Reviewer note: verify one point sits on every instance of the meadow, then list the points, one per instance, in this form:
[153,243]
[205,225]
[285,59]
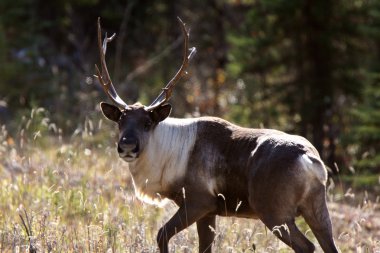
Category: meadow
[73,194]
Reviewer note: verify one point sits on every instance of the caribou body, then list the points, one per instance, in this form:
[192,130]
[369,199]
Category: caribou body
[211,167]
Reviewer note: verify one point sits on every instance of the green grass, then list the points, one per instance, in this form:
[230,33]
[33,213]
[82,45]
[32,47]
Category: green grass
[77,196]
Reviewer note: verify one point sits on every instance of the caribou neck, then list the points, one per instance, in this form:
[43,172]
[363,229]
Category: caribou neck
[164,160]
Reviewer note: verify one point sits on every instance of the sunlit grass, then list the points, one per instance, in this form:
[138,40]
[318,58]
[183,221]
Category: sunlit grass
[77,196]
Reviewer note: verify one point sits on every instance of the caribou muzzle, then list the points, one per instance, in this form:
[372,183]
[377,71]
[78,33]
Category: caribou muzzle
[128,148]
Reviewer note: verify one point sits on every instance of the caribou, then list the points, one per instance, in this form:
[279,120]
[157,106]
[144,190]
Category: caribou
[210,167]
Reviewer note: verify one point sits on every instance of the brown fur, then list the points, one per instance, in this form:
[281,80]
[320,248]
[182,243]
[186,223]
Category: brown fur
[253,173]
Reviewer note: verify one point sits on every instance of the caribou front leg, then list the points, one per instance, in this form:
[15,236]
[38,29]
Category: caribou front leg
[189,212]
[205,233]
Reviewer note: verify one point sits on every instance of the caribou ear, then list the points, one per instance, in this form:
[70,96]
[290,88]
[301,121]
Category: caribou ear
[160,113]
[111,112]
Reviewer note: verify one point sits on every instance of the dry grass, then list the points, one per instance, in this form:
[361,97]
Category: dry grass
[78,197]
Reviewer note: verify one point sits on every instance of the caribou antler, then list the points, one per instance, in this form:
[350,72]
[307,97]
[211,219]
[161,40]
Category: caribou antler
[167,91]
[103,76]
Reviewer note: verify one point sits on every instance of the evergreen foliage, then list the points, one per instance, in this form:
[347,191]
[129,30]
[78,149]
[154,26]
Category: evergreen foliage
[307,67]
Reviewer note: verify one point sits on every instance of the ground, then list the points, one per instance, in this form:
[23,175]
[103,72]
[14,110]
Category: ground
[77,196]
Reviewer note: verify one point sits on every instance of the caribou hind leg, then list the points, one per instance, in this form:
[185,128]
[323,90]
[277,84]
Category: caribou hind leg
[287,231]
[317,217]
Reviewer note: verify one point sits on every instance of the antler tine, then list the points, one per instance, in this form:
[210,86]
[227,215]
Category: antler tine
[166,92]
[103,75]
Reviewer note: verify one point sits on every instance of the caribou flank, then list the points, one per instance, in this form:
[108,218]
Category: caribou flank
[211,167]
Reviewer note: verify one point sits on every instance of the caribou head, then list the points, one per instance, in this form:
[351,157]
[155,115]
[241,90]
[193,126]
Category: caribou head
[137,120]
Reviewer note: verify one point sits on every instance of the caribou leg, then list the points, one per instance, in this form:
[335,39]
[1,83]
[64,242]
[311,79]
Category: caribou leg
[317,217]
[290,235]
[189,212]
[205,234]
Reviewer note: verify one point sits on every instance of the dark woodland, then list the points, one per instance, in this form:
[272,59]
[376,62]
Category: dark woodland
[306,67]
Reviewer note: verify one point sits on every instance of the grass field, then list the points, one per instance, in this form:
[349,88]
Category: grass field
[77,196]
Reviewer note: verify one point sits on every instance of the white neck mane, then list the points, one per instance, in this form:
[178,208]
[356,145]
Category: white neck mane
[164,158]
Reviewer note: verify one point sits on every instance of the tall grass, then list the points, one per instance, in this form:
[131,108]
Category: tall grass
[75,195]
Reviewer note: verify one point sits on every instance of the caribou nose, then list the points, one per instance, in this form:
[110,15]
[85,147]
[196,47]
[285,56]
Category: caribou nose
[127,145]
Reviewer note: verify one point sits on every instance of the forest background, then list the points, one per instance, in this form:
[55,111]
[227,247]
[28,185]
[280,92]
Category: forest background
[305,67]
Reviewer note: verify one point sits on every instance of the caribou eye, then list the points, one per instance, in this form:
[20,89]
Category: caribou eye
[147,125]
